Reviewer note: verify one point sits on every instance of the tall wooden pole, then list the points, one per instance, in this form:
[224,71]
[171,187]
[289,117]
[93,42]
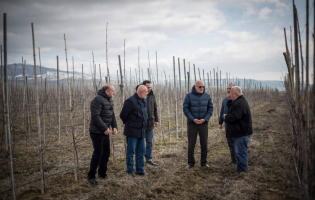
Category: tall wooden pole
[175,91]
[6,100]
[38,118]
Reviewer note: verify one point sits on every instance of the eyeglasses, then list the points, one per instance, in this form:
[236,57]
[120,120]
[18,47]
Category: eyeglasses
[201,86]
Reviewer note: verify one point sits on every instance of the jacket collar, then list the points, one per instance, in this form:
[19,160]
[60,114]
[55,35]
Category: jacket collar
[102,93]
[194,91]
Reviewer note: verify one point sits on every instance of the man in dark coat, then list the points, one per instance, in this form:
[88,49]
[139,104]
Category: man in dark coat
[102,118]
[239,126]
[153,120]
[134,115]
[230,140]
[198,108]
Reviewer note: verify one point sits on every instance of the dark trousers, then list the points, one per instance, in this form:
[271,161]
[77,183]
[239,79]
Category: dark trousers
[230,142]
[192,132]
[100,155]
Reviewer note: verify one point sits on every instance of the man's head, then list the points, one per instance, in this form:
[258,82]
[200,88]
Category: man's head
[229,87]
[109,90]
[148,84]
[142,91]
[236,91]
[199,86]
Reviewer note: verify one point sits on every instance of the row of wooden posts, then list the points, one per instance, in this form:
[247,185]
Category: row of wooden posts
[300,96]
[55,112]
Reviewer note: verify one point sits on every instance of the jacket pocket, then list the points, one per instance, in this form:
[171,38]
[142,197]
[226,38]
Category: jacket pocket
[135,125]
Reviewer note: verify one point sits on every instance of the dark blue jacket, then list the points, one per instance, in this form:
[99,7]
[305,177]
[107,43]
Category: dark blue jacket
[197,106]
[134,115]
[224,109]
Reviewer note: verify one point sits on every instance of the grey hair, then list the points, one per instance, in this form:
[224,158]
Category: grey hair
[237,90]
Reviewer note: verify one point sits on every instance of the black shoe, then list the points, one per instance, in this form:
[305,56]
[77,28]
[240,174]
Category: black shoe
[92,181]
[205,165]
[151,162]
[103,177]
[131,174]
[141,173]
[189,166]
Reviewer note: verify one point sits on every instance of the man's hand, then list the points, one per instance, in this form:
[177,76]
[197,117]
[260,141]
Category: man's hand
[197,121]
[156,123]
[224,116]
[220,126]
[114,131]
[107,132]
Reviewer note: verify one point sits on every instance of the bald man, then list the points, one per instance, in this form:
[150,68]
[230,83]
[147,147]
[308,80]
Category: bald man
[102,118]
[198,108]
[239,126]
[134,115]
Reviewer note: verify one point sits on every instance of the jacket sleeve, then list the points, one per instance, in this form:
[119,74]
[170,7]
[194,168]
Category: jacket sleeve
[186,110]
[221,114]
[114,123]
[235,115]
[210,110]
[156,117]
[96,107]
[127,108]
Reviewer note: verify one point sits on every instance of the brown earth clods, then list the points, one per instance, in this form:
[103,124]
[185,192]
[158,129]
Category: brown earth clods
[271,172]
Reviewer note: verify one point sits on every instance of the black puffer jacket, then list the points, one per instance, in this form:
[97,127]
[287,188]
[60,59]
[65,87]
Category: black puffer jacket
[102,113]
[238,118]
[152,111]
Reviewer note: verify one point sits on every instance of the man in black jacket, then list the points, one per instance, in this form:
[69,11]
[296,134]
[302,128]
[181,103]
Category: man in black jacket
[153,120]
[134,115]
[239,126]
[102,118]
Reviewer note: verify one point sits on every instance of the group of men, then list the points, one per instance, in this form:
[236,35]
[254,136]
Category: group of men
[139,116]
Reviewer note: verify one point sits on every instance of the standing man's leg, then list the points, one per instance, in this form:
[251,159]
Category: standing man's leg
[140,151]
[241,147]
[102,169]
[192,137]
[203,137]
[230,142]
[97,141]
[131,146]
[149,144]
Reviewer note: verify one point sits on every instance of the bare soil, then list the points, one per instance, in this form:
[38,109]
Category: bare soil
[271,171]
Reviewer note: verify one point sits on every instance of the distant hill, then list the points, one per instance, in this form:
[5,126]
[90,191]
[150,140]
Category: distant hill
[16,70]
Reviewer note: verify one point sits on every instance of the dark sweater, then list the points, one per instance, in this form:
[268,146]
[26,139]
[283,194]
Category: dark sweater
[238,118]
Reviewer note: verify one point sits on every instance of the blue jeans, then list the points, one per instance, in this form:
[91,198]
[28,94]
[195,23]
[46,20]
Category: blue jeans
[135,146]
[149,144]
[240,144]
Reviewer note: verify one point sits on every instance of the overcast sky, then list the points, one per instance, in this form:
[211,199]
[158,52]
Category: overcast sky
[242,37]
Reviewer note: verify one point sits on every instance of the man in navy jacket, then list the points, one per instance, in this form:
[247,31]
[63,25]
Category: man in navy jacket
[198,108]
[134,115]
[230,140]
[239,126]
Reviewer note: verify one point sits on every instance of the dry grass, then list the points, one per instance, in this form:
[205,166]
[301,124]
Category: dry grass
[271,169]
